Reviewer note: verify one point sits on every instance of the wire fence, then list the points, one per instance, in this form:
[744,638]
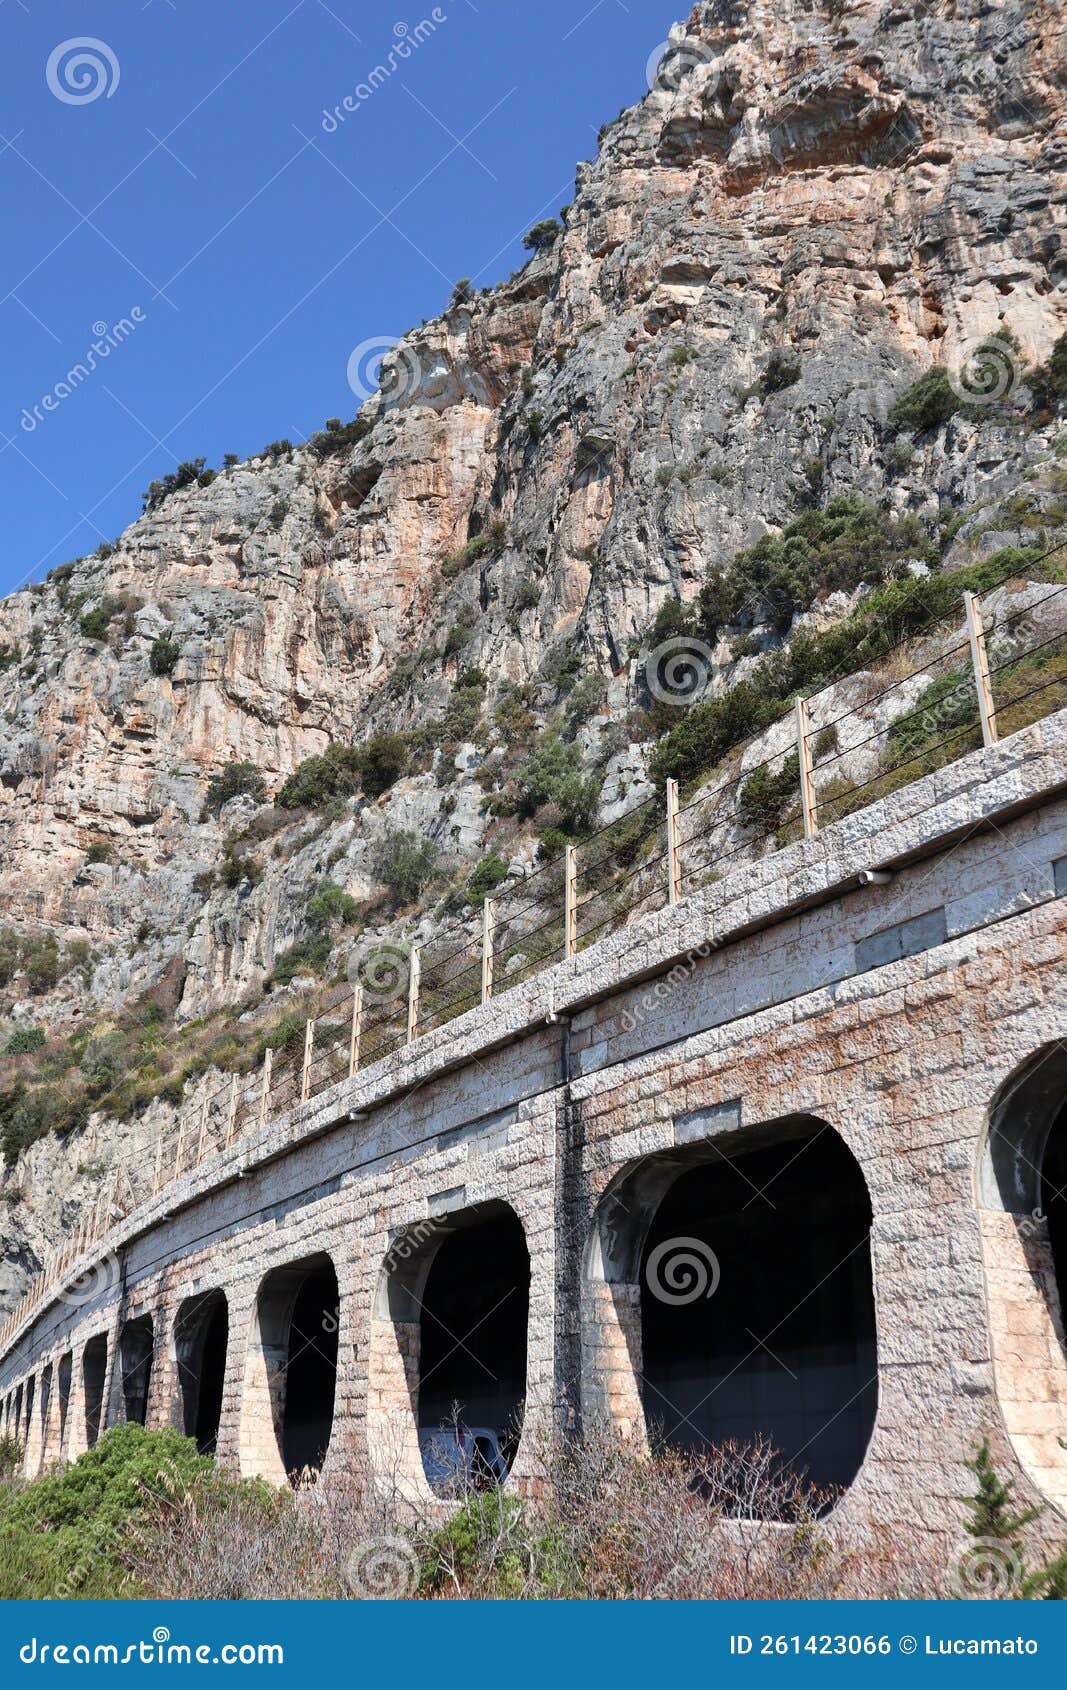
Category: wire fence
[932,702]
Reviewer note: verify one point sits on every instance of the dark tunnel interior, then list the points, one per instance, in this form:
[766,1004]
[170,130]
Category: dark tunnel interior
[473,1329]
[311,1372]
[784,1347]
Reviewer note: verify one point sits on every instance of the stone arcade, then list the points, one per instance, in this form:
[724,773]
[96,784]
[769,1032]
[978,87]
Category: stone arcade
[848,1114]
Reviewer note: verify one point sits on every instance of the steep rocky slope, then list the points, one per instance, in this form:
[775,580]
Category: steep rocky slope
[815,205]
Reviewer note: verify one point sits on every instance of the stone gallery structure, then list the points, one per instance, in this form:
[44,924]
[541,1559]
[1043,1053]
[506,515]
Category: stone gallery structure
[787,1158]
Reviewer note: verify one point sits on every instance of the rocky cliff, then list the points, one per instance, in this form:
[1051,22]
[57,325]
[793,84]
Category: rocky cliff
[732,330]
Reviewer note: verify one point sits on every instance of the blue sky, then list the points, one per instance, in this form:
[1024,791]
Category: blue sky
[195,217]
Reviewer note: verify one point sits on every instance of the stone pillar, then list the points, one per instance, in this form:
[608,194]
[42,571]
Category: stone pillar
[612,1358]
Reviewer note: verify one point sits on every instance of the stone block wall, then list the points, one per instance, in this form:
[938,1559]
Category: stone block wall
[892,1015]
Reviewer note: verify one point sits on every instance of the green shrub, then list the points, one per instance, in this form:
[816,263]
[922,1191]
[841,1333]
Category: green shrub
[95,625]
[490,544]
[491,872]
[764,796]
[486,1522]
[40,961]
[542,235]
[234,781]
[947,704]
[337,437]
[25,1040]
[310,956]
[586,699]
[1048,383]
[9,955]
[184,476]
[459,635]
[994,1519]
[376,766]
[330,907]
[888,617]
[65,1534]
[239,868]
[318,780]
[462,714]
[552,774]
[926,404]
[404,863]
[99,851]
[381,760]
[820,551]
[164,655]
[10,1450]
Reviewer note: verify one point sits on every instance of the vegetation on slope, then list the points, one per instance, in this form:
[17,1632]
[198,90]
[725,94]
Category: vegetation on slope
[143,1514]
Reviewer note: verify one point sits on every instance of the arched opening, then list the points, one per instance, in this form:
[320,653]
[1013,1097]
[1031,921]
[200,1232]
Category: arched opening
[64,1375]
[472,1355]
[18,1413]
[730,1283]
[94,1373]
[1054,1205]
[46,1407]
[135,1356]
[201,1334]
[1023,1214]
[298,1317]
[28,1416]
[449,1346]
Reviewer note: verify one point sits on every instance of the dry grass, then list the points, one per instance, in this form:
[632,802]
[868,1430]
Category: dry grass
[610,1524]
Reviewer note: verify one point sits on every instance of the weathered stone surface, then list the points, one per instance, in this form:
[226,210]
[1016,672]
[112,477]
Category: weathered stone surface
[906,1062]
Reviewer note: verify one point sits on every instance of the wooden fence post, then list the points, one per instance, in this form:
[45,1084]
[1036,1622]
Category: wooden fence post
[231,1113]
[570,902]
[488,934]
[357,1029]
[414,976]
[807,783]
[305,1077]
[674,865]
[264,1096]
[202,1137]
[980,660]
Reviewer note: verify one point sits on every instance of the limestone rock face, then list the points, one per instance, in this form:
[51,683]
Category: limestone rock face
[816,201]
